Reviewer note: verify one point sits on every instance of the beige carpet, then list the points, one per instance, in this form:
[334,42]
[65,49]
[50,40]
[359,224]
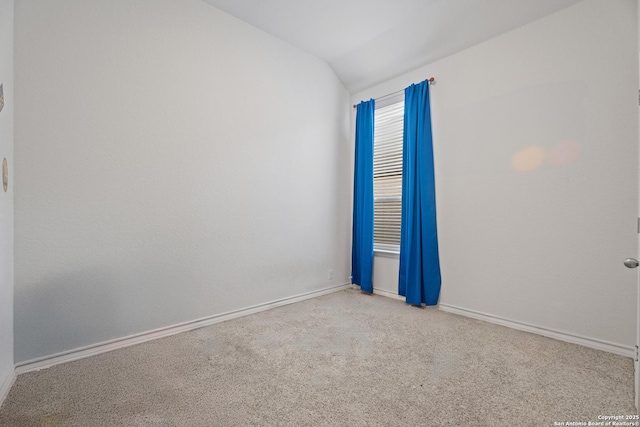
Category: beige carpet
[344,359]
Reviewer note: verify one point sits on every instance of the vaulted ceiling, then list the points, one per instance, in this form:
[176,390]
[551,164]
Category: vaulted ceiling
[370,41]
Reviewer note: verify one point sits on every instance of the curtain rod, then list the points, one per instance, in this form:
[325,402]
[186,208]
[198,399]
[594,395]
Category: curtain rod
[431,81]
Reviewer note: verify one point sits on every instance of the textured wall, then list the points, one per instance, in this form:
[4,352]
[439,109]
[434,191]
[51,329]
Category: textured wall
[536,156]
[6,198]
[172,163]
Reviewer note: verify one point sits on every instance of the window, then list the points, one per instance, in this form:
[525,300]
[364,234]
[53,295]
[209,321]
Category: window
[387,173]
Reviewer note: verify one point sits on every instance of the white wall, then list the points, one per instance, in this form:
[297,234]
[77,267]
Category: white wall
[6,198]
[172,163]
[545,246]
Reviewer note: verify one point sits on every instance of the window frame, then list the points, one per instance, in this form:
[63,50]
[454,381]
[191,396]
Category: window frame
[387,249]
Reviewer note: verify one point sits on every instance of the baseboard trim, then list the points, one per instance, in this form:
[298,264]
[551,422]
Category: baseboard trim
[389,294]
[128,341]
[5,386]
[550,333]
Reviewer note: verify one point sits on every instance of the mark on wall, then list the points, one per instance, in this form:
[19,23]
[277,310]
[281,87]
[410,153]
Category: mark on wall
[5,174]
[1,98]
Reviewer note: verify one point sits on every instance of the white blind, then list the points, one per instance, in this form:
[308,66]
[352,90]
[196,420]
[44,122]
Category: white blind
[387,175]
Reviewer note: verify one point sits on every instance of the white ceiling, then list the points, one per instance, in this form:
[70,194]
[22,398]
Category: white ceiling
[369,41]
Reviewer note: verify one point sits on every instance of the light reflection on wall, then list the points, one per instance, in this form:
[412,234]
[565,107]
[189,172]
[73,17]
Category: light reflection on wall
[529,158]
[522,131]
[533,157]
[565,153]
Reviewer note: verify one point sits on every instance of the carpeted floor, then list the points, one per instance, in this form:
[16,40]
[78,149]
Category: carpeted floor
[344,359]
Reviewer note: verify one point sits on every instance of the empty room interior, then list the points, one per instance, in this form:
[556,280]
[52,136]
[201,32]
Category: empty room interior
[194,229]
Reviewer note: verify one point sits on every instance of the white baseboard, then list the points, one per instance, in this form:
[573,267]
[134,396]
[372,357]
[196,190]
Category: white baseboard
[94,349]
[5,386]
[562,336]
[389,294]
[521,326]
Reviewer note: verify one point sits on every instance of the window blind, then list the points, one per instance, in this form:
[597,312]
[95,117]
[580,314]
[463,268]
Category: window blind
[387,175]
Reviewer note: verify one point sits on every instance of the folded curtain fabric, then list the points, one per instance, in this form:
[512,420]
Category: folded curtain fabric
[419,278]
[362,238]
